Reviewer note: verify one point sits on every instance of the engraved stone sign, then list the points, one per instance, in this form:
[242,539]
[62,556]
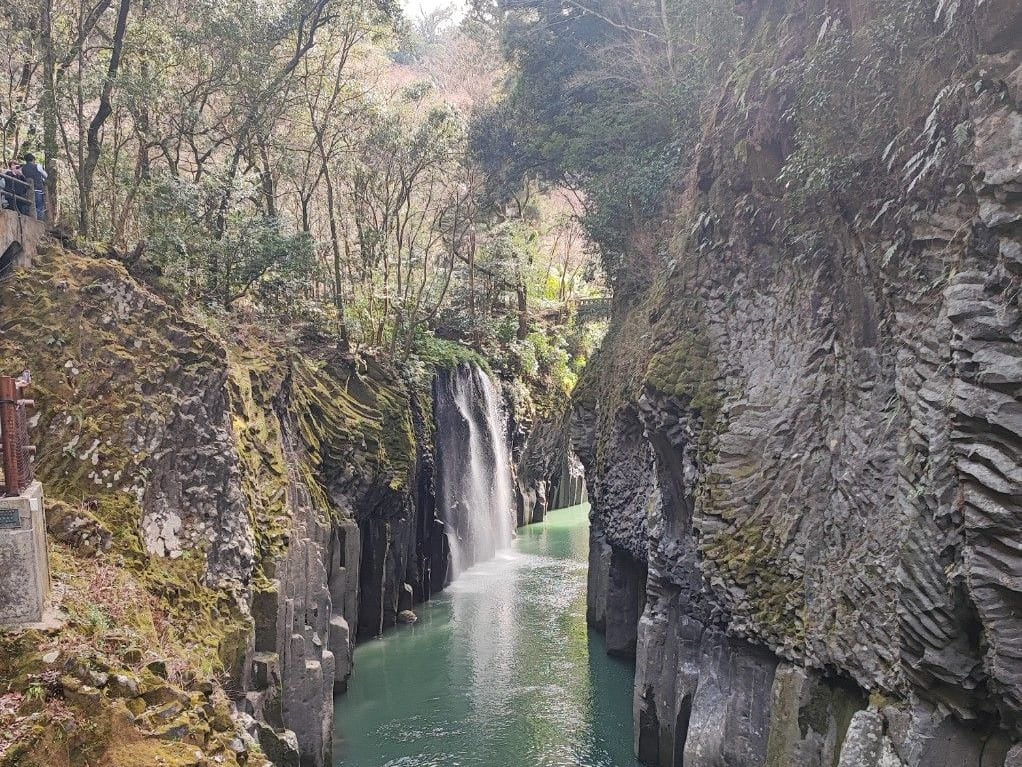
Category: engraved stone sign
[10,519]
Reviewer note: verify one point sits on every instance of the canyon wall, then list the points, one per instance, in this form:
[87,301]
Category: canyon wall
[807,493]
[276,501]
[548,475]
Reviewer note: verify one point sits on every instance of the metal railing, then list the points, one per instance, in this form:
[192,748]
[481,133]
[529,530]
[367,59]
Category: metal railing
[591,308]
[15,451]
[28,204]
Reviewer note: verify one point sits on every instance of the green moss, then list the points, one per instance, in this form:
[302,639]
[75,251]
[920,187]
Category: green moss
[658,342]
[748,556]
[101,351]
[686,370]
[440,354]
[108,359]
[347,415]
[57,723]
[255,375]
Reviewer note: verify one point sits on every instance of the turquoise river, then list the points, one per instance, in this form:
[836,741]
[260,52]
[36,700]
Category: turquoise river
[500,670]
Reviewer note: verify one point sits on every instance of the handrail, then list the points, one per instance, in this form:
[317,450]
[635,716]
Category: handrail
[12,202]
[588,300]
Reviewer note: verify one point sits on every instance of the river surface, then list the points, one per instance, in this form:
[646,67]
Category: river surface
[500,670]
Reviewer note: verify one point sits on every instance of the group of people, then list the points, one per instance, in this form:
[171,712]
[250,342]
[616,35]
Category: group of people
[16,183]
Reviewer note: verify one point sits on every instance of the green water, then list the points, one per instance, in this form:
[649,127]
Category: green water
[500,671]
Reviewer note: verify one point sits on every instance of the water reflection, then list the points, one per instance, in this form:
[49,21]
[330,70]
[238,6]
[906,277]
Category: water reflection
[500,671]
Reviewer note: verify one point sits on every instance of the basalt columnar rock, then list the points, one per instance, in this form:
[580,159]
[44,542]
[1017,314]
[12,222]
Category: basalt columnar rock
[814,474]
[548,474]
[273,500]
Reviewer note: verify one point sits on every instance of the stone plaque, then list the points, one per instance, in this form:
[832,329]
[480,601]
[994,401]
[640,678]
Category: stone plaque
[10,519]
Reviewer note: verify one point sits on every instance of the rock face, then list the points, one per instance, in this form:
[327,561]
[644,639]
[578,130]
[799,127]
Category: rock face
[281,499]
[818,481]
[548,474]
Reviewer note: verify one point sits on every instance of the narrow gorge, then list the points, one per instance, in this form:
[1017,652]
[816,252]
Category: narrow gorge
[546,383]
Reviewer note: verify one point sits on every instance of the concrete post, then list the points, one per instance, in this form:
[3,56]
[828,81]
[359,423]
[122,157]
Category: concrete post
[24,560]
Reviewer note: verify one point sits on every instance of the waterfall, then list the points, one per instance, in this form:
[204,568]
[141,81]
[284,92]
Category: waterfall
[473,468]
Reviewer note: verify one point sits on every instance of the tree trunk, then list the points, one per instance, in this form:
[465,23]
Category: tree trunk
[266,181]
[102,113]
[472,284]
[523,310]
[342,328]
[49,107]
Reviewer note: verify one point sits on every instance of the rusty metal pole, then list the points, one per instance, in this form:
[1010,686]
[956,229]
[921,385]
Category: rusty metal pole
[25,450]
[8,433]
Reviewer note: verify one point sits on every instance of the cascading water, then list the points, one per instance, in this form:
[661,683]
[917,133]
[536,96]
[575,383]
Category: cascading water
[473,468]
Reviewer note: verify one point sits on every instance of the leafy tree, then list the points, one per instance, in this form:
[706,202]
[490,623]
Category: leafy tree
[254,251]
[300,157]
[605,99]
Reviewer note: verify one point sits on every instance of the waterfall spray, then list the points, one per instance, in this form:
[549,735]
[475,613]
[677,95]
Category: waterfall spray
[474,496]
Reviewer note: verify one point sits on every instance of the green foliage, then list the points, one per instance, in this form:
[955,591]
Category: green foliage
[253,256]
[607,99]
[36,692]
[505,259]
[550,360]
[501,141]
[583,341]
[431,353]
[90,620]
[273,160]
[846,110]
[553,360]
[410,214]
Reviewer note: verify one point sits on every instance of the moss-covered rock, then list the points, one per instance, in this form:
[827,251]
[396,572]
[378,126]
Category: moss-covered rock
[169,448]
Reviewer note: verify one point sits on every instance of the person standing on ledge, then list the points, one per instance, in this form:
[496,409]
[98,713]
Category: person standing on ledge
[34,172]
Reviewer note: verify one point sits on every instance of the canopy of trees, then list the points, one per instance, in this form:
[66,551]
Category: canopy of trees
[605,98]
[305,159]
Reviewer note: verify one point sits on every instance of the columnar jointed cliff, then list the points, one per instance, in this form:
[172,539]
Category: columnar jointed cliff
[548,474]
[810,488]
[262,502]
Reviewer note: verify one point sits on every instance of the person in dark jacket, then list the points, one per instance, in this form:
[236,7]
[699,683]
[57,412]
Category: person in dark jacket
[34,172]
